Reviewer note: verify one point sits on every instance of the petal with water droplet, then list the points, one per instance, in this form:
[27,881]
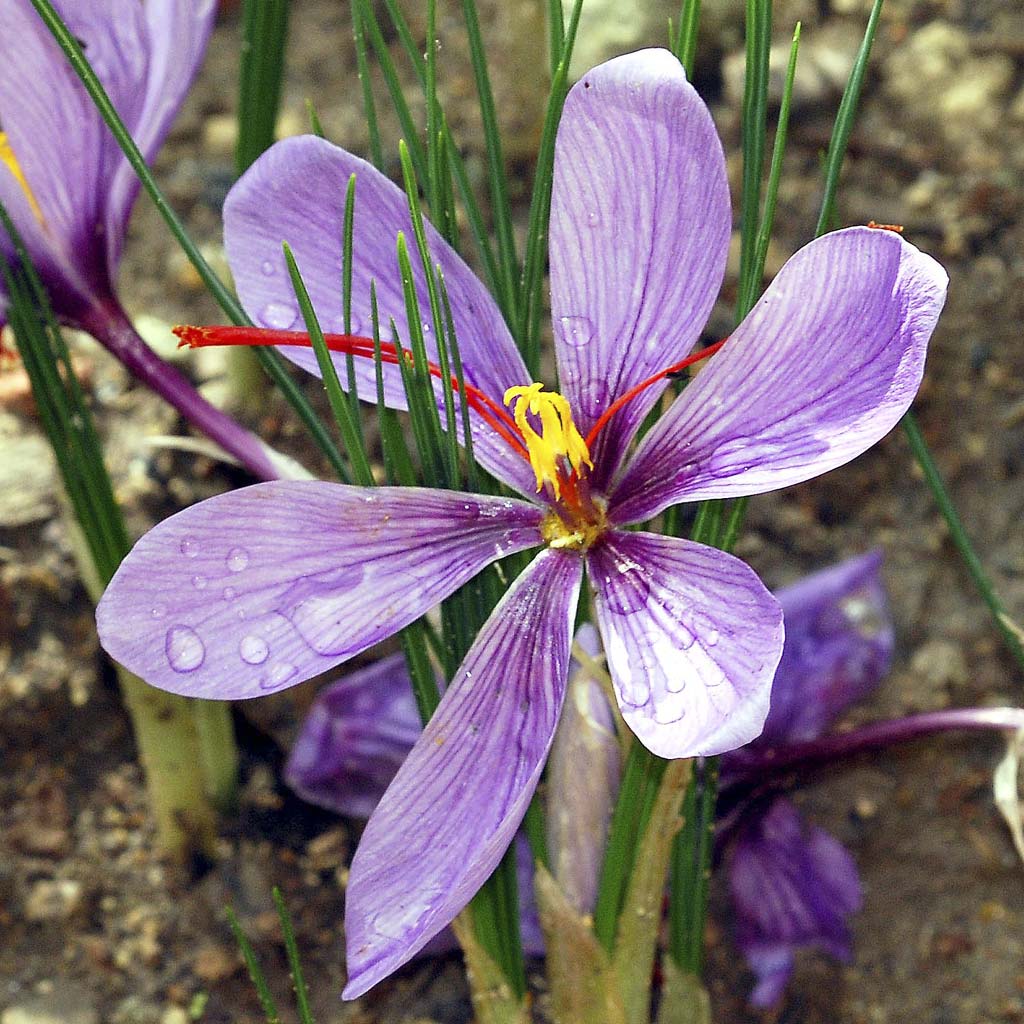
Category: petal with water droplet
[326,575]
[640,225]
[458,799]
[693,654]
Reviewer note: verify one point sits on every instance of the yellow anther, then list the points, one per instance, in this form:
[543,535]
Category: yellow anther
[558,438]
[7,157]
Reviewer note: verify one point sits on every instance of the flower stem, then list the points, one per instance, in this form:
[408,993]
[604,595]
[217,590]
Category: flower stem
[958,533]
[770,763]
[111,327]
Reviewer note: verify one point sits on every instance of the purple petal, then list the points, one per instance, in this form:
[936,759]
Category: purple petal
[64,149]
[255,590]
[793,886]
[354,739]
[692,639]
[457,801]
[839,645]
[174,38]
[640,224]
[582,781]
[825,364]
[295,193]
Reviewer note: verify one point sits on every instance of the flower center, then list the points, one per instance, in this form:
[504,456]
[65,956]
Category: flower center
[558,449]
[575,524]
[7,157]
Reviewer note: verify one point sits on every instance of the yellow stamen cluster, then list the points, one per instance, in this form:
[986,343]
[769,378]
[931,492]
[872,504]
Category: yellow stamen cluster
[7,157]
[558,438]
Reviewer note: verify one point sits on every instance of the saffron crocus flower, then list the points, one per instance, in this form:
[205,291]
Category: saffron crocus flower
[69,189]
[297,577]
[793,885]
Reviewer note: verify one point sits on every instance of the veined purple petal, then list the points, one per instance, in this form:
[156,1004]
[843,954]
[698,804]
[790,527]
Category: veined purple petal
[145,56]
[356,736]
[823,367]
[692,639]
[174,36]
[457,801]
[839,646]
[793,886]
[640,224]
[354,739]
[255,590]
[295,193]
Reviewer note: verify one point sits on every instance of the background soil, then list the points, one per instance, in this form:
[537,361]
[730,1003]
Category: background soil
[97,928]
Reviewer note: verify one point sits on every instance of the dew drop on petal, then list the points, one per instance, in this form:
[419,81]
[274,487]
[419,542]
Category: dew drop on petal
[278,315]
[189,547]
[277,675]
[158,611]
[253,650]
[238,559]
[185,651]
[711,638]
[577,331]
[593,218]
[199,582]
[228,593]
[268,268]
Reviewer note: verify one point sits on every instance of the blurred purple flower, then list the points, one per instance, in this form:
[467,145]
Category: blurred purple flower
[794,886]
[824,365]
[354,739]
[63,178]
[69,189]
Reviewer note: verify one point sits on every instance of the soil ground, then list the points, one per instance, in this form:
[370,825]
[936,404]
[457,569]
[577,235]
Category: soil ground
[97,927]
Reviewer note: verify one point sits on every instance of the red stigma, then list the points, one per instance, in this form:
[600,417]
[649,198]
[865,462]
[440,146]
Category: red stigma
[354,345]
[638,389]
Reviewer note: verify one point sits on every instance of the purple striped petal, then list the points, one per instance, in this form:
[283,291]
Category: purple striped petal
[175,37]
[457,801]
[255,590]
[145,56]
[295,193]
[354,739]
[692,639]
[640,223]
[793,886]
[61,144]
[823,367]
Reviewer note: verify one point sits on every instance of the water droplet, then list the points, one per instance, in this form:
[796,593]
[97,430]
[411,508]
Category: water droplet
[253,650]
[711,638]
[320,608]
[278,316]
[577,331]
[238,559]
[189,547]
[277,675]
[268,268]
[158,611]
[593,218]
[228,593]
[199,582]
[185,651]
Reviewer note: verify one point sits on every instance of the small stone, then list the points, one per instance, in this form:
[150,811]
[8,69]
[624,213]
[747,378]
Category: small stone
[220,134]
[215,963]
[64,1003]
[27,480]
[941,663]
[53,900]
